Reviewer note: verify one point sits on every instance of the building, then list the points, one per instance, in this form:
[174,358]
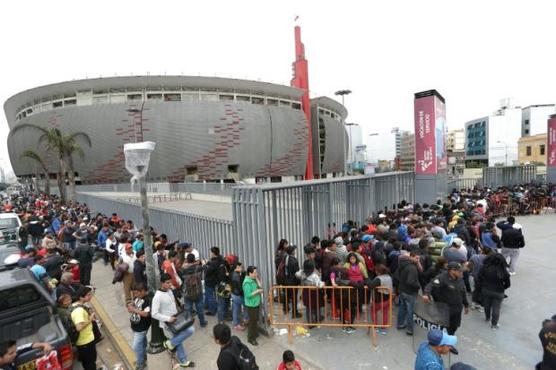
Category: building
[407,151]
[534,118]
[532,149]
[455,147]
[492,140]
[205,128]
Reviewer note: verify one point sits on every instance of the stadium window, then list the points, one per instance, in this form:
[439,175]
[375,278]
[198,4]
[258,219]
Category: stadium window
[243,98]
[154,96]
[57,104]
[526,122]
[257,100]
[296,106]
[527,131]
[132,97]
[99,92]
[100,99]
[189,171]
[70,102]
[172,97]
[225,97]
[23,114]
[233,168]
[528,151]
[209,97]
[272,102]
[285,103]
[190,96]
[542,149]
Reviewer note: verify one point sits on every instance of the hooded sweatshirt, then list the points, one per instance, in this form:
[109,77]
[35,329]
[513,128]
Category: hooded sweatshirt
[408,276]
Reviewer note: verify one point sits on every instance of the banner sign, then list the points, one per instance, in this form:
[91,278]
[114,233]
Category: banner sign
[430,133]
[551,142]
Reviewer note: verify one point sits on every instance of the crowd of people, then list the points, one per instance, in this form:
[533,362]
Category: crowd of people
[455,254]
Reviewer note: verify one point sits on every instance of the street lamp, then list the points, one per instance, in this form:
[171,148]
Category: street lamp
[506,148]
[137,157]
[343,93]
[350,148]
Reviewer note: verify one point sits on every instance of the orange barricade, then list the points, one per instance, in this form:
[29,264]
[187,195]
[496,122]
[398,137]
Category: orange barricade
[331,306]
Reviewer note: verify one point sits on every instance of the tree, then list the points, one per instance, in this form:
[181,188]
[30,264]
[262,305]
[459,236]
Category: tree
[63,146]
[31,154]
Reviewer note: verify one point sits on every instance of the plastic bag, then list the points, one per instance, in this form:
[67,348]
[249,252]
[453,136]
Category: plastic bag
[49,362]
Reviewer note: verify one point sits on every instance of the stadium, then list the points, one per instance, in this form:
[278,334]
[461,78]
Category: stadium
[205,128]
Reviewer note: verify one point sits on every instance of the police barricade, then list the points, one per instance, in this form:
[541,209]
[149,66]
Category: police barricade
[427,316]
[331,306]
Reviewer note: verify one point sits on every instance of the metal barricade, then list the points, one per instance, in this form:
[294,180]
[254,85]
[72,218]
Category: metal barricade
[331,306]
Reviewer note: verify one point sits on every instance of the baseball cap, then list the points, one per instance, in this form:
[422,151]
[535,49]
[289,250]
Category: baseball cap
[437,337]
[455,266]
[457,241]
[462,366]
[367,237]
[184,245]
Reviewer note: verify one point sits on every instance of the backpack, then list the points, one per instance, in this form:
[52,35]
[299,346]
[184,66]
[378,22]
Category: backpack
[281,272]
[245,359]
[192,284]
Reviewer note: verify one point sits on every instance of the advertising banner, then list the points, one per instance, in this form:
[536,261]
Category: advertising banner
[425,143]
[551,143]
[440,130]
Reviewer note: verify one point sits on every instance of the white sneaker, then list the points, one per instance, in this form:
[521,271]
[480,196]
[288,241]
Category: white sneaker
[495,327]
[512,273]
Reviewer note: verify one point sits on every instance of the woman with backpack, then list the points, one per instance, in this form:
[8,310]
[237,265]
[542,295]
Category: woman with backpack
[494,279]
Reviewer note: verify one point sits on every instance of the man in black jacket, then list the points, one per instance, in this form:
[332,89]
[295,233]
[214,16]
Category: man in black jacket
[140,268]
[448,288]
[84,254]
[291,267]
[215,272]
[512,241]
[407,275]
[230,350]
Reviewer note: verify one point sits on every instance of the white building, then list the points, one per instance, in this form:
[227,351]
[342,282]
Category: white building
[534,119]
[492,140]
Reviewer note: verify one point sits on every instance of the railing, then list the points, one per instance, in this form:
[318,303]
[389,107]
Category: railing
[509,176]
[464,183]
[203,232]
[224,189]
[331,306]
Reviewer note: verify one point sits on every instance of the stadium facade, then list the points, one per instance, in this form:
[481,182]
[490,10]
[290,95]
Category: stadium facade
[205,128]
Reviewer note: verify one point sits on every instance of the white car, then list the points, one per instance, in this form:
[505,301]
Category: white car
[9,227]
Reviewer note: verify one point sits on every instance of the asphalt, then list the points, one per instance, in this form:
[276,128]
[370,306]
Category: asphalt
[531,299]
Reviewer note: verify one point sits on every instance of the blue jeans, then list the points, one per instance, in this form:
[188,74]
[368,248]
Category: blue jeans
[405,312]
[177,341]
[222,307]
[140,346]
[198,307]
[237,306]
[210,299]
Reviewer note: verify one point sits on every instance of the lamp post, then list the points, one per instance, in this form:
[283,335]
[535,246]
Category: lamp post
[506,149]
[343,93]
[137,157]
[350,148]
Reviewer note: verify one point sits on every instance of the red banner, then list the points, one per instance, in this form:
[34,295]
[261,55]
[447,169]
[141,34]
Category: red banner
[425,145]
[551,143]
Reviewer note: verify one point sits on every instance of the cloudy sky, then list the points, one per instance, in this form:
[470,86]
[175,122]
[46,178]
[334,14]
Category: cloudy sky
[473,52]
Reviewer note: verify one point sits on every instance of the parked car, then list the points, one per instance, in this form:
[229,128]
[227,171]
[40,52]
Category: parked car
[27,314]
[9,255]
[9,227]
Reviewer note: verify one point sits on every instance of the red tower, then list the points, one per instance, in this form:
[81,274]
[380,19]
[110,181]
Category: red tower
[301,80]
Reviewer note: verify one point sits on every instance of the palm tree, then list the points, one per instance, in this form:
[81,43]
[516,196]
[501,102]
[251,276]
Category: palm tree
[63,146]
[31,154]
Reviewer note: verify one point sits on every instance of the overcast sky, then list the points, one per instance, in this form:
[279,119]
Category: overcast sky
[473,52]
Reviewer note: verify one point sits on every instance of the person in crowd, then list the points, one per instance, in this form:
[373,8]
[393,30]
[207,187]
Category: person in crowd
[189,249]
[429,355]
[313,300]
[289,362]
[68,286]
[84,254]
[252,291]
[68,237]
[475,265]
[83,321]
[215,273]
[9,352]
[512,241]
[547,336]
[110,249]
[63,304]
[407,276]
[383,289]
[448,288]
[139,310]
[140,268]
[291,266]
[164,310]
[48,241]
[280,252]
[138,244]
[40,274]
[456,252]
[494,279]
[238,302]
[193,288]
[169,267]
[233,353]
[28,258]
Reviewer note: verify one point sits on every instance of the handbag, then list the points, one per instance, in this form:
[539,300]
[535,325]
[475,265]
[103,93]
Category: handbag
[183,321]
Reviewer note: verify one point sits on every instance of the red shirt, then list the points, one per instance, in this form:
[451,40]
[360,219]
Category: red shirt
[296,365]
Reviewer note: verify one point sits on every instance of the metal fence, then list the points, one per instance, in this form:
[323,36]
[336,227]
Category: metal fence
[297,211]
[464,183]
[509,176]
[224,189]
[203,232]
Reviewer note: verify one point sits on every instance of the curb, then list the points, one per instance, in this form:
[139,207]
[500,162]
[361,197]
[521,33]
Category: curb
[116,338]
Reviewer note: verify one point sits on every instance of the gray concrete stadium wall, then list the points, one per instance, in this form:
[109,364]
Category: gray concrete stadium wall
[261,140]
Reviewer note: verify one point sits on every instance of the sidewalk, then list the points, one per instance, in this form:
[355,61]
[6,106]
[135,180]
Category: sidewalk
[200,348]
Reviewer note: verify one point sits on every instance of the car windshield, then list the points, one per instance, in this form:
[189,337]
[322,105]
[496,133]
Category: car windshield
[8,223]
